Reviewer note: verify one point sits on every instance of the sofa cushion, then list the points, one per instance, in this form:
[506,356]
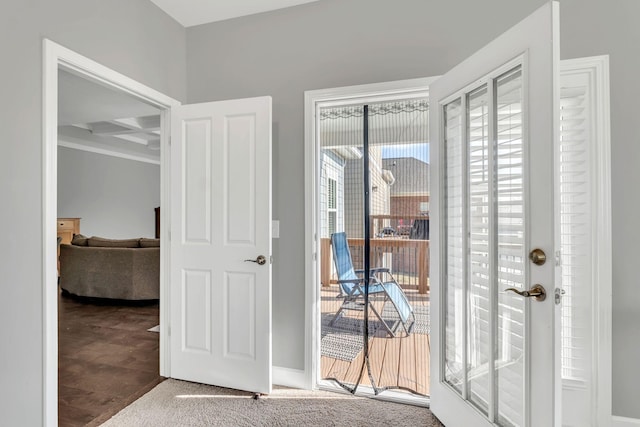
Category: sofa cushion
[80,240]
[100,242]
[149,243]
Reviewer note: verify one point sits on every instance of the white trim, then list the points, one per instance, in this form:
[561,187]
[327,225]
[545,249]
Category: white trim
[312,100]
[617,421]
[597,67]
[288,377]
[56,56]
[49,230]
[111,153]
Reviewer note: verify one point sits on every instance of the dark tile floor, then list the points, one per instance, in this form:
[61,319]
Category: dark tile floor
[106,356]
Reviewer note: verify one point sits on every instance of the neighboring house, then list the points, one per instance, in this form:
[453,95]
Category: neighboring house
[410,192]
[322,44]
[341,201]
[354,204]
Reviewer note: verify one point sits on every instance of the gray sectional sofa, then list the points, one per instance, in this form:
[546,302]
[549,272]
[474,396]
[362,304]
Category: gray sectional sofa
[107,268]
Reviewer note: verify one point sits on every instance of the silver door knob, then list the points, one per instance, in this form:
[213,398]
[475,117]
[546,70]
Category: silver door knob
[261,260]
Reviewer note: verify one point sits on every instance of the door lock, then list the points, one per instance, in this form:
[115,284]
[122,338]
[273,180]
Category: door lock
[538,257]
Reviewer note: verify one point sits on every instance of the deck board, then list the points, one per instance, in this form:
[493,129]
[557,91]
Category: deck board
[422,361]
[402,361]
[407,364]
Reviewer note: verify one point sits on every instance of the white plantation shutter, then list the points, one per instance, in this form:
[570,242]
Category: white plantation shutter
[511,256]
[456,246]
[485,235]
[575,230]
[479,246]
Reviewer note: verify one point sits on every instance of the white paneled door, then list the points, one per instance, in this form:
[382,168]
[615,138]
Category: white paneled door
[220,329]
[496,353]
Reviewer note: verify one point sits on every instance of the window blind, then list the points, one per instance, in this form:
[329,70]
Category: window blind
[575,232]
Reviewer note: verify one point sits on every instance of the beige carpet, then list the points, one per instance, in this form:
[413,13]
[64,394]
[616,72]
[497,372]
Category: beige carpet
[180,403]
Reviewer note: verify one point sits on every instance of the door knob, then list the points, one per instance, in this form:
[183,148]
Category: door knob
[261,260]
[537,291]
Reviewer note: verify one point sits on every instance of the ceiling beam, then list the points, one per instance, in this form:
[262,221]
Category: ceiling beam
[126,126]
[147,123]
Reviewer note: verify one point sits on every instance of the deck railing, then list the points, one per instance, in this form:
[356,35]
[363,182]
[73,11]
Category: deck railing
[408,260]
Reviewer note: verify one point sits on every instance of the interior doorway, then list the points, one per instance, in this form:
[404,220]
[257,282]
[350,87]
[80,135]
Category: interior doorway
[57,60]
[109,262]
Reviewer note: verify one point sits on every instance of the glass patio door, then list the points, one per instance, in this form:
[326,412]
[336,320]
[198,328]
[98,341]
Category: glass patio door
[495,343]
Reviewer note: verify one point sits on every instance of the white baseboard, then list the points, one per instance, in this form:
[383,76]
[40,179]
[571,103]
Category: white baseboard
[295,378]
[624,422]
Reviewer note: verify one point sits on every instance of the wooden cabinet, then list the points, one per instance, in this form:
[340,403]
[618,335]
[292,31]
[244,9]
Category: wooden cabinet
[67,228]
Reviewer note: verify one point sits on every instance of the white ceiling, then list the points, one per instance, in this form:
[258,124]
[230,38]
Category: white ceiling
[83,101]
[196,12]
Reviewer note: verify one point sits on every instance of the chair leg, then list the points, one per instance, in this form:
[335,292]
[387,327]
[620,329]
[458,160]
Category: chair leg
[382,321]
[410,328]
[338,313]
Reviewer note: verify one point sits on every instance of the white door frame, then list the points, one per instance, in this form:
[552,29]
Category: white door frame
[598,69]
[314,99]
[56,56]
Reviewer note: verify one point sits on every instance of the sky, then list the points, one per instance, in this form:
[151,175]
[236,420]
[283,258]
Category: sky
[419,151]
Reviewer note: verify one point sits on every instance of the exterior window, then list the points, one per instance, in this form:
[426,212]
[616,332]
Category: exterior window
[332,211]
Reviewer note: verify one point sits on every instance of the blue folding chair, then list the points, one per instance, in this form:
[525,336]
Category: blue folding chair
[381,282]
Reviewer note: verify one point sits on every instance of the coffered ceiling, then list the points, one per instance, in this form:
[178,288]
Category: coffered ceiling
[96,118]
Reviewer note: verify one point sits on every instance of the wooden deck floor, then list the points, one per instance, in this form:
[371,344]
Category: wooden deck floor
[400,362]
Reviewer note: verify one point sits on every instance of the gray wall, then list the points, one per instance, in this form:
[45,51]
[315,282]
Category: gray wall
[321,45]
[114,197]
[131,36]
[345,42]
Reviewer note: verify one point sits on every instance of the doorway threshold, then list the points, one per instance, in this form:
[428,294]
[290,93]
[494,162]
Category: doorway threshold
[394,396]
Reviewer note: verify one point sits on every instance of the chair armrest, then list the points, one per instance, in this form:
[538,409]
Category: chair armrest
[374,271]
[351,281]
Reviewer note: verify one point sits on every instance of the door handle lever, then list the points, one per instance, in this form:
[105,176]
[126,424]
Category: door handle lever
[261,260]
[537,291]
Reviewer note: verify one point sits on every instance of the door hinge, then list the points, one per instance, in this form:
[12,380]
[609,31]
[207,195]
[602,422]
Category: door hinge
[169,330]
[169,141]
[169,235]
